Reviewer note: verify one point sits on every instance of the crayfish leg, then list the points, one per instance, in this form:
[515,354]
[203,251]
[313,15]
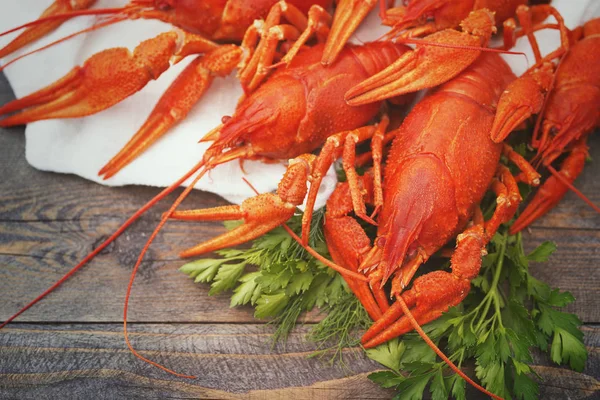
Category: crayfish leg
[508,199]
[318,23]
[349,245]
[330,151]
[554,189]
[299,29]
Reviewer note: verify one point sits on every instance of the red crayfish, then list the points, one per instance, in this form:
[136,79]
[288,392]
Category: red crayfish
[566,97]
[430,192]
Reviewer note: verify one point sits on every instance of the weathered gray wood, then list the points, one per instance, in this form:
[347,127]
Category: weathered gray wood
[573,267]
[162,292]
[232,358]
[230,361]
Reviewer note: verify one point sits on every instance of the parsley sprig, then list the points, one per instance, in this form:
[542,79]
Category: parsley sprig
[507,313]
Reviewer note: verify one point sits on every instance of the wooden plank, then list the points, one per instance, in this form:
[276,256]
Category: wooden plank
[573,266]
[231,361]
[162,293]
[232,358]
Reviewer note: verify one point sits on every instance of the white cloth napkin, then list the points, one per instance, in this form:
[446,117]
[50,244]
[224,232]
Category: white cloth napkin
[82,146]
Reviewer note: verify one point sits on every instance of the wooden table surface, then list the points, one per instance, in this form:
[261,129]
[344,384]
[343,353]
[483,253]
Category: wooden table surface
[71,344]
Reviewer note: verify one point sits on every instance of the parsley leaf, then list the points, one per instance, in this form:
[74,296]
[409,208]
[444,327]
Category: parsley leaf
[542,252]
[271,304]
[388,354]
[497,325]
[248,292]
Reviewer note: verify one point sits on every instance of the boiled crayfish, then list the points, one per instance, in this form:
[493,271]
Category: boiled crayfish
[442,162]
[566,95]
[264,126]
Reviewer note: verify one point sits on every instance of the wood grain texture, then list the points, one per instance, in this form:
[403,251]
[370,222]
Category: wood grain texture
[230,360]
[48,222]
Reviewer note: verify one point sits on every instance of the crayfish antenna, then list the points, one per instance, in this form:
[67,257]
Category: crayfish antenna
[92,28]
[54,16]
[566,182]
[330,264]
[162,222]
[209,161]
[439,352]
[108,241]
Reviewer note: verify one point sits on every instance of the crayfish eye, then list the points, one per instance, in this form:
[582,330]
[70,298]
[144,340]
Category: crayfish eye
[164,5]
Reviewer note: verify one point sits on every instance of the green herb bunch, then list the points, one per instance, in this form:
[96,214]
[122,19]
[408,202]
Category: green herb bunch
[507,313]
[281,280]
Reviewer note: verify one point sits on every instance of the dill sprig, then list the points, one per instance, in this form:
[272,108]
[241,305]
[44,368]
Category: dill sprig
[282,280]
[339,330]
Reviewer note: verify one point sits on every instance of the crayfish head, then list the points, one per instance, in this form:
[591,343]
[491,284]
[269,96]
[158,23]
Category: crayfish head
[419,212]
